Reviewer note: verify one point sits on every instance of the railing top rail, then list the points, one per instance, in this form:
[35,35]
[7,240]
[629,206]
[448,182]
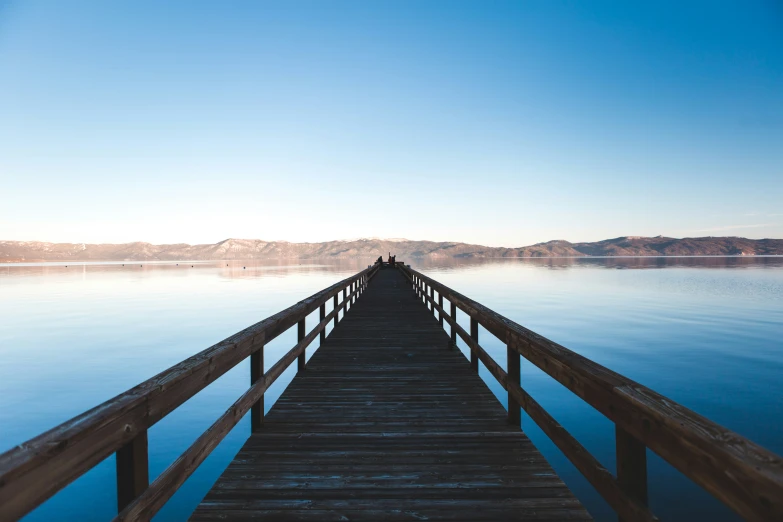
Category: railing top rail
[745,476]
[34,470]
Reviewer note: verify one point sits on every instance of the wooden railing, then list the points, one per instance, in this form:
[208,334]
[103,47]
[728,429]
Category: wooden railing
[35,470]
[746,477]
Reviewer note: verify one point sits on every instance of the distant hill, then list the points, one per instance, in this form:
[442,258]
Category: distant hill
[17,251]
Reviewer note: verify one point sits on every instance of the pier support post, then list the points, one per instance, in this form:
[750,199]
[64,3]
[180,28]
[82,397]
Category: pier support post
[322,316]
[453,323]
[133,475]
[474,335]
[334,307]
[440,314]
[256,373]
[631,466]
[513,366]
[345,308]
[299,337]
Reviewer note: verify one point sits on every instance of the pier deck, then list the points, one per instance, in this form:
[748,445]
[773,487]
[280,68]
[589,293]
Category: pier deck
[388,423]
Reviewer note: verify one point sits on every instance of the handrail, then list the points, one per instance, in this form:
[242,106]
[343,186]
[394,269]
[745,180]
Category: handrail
[743,475]
[35,470]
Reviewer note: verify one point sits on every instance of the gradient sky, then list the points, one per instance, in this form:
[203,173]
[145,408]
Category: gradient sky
[500,123]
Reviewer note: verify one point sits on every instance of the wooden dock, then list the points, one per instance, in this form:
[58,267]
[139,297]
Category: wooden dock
[388,422]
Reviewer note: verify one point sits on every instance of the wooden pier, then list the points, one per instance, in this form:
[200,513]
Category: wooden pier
[389,421]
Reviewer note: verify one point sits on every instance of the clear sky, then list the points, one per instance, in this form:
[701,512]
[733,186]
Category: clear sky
[500,123]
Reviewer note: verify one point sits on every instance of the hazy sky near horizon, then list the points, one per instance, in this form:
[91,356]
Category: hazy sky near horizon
[499,123]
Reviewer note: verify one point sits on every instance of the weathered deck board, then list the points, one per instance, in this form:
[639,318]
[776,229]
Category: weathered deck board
[387,423]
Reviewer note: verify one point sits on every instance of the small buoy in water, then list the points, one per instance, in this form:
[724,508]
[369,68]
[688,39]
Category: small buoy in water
[243,268]
[66,266]
[191,266]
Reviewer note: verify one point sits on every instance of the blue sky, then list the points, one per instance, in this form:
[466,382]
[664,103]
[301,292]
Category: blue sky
[500,123]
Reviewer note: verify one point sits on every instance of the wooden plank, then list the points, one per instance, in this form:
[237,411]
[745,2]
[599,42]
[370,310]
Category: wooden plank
[387,425]
[745,476]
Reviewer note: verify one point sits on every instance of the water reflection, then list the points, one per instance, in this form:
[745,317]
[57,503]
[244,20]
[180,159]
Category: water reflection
[706,331]
[605,262]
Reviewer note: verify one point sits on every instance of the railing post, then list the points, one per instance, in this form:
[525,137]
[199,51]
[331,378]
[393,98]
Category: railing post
[453,324]
[631,466]
[440,314]
[300,336]
[513,367]
[474,335]
[256,373]
[133,475]
[336,313]
[322,316]
[345,301]
[431,304]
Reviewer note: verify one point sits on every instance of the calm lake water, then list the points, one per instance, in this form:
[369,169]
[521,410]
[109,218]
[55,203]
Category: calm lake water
[706,332]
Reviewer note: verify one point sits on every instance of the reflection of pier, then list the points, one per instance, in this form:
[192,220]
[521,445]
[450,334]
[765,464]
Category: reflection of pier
[387,421]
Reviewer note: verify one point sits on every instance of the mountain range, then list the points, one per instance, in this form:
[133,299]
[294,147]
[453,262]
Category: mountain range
[21,251]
